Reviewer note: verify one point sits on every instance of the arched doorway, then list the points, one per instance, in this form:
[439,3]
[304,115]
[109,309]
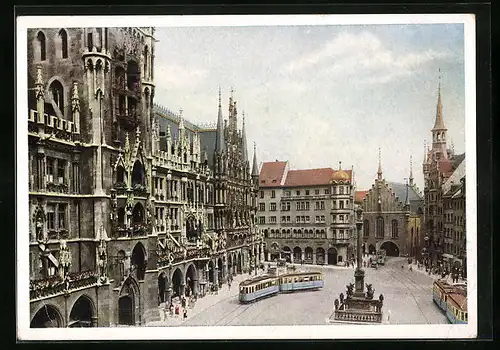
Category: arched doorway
[138,261]
[138,214]
[176,283]
[332,256]
[320,256]
[220,270]
[297,255]
[128,299]
[211,271]
[47,317]
[390,248]
[81,313]
[126,310]
[308,255]
[230,264]
[191,277]
[162,288]
[287,254]
[371,249]
[138,175]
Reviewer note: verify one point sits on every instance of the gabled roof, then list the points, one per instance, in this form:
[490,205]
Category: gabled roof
[359,196]
[272,174]
[309,177]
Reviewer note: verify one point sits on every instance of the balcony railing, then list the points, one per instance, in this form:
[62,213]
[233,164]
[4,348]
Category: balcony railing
[57,187]
[355,316]
[57,285]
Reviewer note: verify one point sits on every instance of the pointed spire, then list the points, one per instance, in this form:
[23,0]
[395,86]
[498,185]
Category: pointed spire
[220,144]
[75,99]
[181,119]
[39,82]
[425,151]
[411,171]
[439,123]
[379,172]
[407,200]
[244,136]
[255,167]
[127,143]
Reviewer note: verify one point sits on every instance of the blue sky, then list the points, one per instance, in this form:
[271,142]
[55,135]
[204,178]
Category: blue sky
[317,95]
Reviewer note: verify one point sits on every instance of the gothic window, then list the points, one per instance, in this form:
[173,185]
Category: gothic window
[61,171]
[380,227]
[90,41]
[145,60]
[61,215]
[395,229]
[64,43]
[366,228]
[51,217]
[99,39]
[42,45]
[57,92]
[50,169]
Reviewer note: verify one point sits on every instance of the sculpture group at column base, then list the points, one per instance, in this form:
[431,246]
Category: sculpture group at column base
[358,307]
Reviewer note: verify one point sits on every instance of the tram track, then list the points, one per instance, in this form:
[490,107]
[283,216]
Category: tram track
[239,307]
[394,276]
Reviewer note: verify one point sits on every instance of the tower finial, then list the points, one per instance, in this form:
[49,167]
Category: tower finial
[340,165]
[220,104]
[411,170]
[255,167]
[379,172]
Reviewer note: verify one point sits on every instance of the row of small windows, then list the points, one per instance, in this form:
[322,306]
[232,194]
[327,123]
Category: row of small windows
[380,229]
[42,44]
[288,193]
[318,234]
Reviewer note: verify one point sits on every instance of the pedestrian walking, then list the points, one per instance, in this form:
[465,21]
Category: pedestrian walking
[388,315]
[185,314]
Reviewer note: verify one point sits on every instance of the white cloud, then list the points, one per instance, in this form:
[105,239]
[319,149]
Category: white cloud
[178,76]
[364,55]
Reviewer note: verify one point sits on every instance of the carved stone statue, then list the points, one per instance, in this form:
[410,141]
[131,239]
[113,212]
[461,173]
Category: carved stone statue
[336,304]
[350,289]
[369,291]
[341,296]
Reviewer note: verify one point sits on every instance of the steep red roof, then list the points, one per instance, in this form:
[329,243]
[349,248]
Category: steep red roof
[271,174]
[309,177]
[359,196]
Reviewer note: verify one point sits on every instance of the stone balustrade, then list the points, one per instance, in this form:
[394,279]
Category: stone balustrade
[56,285]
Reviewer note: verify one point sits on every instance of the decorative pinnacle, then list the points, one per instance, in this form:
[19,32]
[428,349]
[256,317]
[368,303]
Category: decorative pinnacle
[220,104]
[379,172]
[411,169]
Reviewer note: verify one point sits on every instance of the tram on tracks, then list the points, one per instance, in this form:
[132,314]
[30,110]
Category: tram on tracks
[261,287]
[452,300]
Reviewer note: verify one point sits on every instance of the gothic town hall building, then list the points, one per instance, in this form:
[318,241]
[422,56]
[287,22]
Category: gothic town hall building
[130,206]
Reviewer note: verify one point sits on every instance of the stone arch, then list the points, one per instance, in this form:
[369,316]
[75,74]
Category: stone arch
[371,249]
[56,94]
[82,312]
[177,282]
[191,279]
[138,174]
[128,302]
[41,41]
[211,269]
[121,174]
[308,255]
[320,256]
[332,256]
[48,316]
[63,37]
[138,261]
[391,248]
[162,287]
[287,253]
[297,254]
[138,215]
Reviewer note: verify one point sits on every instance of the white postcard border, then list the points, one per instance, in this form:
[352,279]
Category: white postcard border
[24,332]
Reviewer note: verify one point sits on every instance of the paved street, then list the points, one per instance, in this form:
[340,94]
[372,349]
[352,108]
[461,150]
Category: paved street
[408,296]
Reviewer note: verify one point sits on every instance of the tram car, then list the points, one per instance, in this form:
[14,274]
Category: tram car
[257,288]
[381,257]
[292,282]
[440,291]
[456,307]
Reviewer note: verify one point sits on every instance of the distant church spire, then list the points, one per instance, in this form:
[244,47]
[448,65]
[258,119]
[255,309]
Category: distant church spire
[411,171]
[439,129]
[255,167]
[379,172]
[439,123]
[219,140]
[244,136]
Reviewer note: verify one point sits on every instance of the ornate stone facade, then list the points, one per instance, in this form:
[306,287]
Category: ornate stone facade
[119,220]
